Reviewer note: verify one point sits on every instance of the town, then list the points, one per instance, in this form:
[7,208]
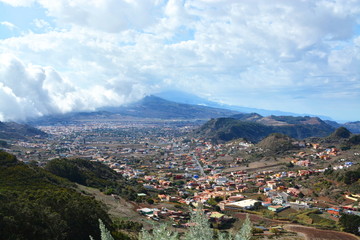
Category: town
[178,171]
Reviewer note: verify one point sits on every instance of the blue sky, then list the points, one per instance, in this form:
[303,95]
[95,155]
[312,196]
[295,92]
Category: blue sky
[75,55]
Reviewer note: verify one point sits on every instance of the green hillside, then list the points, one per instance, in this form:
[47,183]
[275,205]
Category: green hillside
[277,143]
[254,127]
[35,204]
[97,175]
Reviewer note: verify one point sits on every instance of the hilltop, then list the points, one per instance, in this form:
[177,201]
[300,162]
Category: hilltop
[277,143]
[255,127]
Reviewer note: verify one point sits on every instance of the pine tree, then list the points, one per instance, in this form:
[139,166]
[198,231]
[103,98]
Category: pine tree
[159,233]
[105,234]
[245,232]
[201,229]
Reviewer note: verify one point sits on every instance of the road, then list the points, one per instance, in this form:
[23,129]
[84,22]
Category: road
[199,165]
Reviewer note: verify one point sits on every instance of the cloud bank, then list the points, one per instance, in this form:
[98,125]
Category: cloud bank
[300,56]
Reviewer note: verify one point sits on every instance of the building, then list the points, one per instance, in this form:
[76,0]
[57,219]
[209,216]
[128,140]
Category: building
[244,204]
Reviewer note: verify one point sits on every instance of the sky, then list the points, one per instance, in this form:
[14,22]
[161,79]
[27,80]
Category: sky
[299,56]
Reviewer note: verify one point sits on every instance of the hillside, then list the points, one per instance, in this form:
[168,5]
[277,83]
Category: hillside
[12,130]
[226,129]
[35,204]
[95,174]
[277,143]
[254,127]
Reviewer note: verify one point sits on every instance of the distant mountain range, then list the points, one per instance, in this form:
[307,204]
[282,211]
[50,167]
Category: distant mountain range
[255,127]
[225,124]
[151,107]
[183,97]
[156,107]
[353,127]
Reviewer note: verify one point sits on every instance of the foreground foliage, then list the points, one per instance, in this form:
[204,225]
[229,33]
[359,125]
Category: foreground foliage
[35,204]
[199,229]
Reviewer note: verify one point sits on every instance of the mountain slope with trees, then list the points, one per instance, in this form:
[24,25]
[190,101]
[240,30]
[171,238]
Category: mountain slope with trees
[97,175]
[35,204]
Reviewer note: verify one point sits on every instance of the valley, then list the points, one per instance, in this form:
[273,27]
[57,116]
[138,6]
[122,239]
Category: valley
[170,167]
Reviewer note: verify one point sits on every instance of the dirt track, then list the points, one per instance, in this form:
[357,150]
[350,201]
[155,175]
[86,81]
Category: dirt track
[308,233]
[316,234]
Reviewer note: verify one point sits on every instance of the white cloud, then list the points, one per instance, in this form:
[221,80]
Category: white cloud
[9,25]
[212,48]
[104,15]
[19,3]
[32,91]
[41,24]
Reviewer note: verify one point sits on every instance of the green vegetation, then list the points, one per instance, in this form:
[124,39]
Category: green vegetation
[351,177]
[3,144]
[355,139]
[226,129]
[97,175]
[199,229]
[35,204]
[277,143]
[350,223]
[341,132]
[312,217]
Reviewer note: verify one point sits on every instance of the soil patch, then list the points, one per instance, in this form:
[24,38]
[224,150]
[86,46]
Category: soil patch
[317,234]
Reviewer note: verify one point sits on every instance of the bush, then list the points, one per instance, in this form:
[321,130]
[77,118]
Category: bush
[350,223]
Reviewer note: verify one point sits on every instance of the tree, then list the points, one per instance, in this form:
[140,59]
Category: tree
[218,199]
[159,233]
[245,232]
[199,230]
[105,234]
[352,176]
[350,223]
[257,205]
